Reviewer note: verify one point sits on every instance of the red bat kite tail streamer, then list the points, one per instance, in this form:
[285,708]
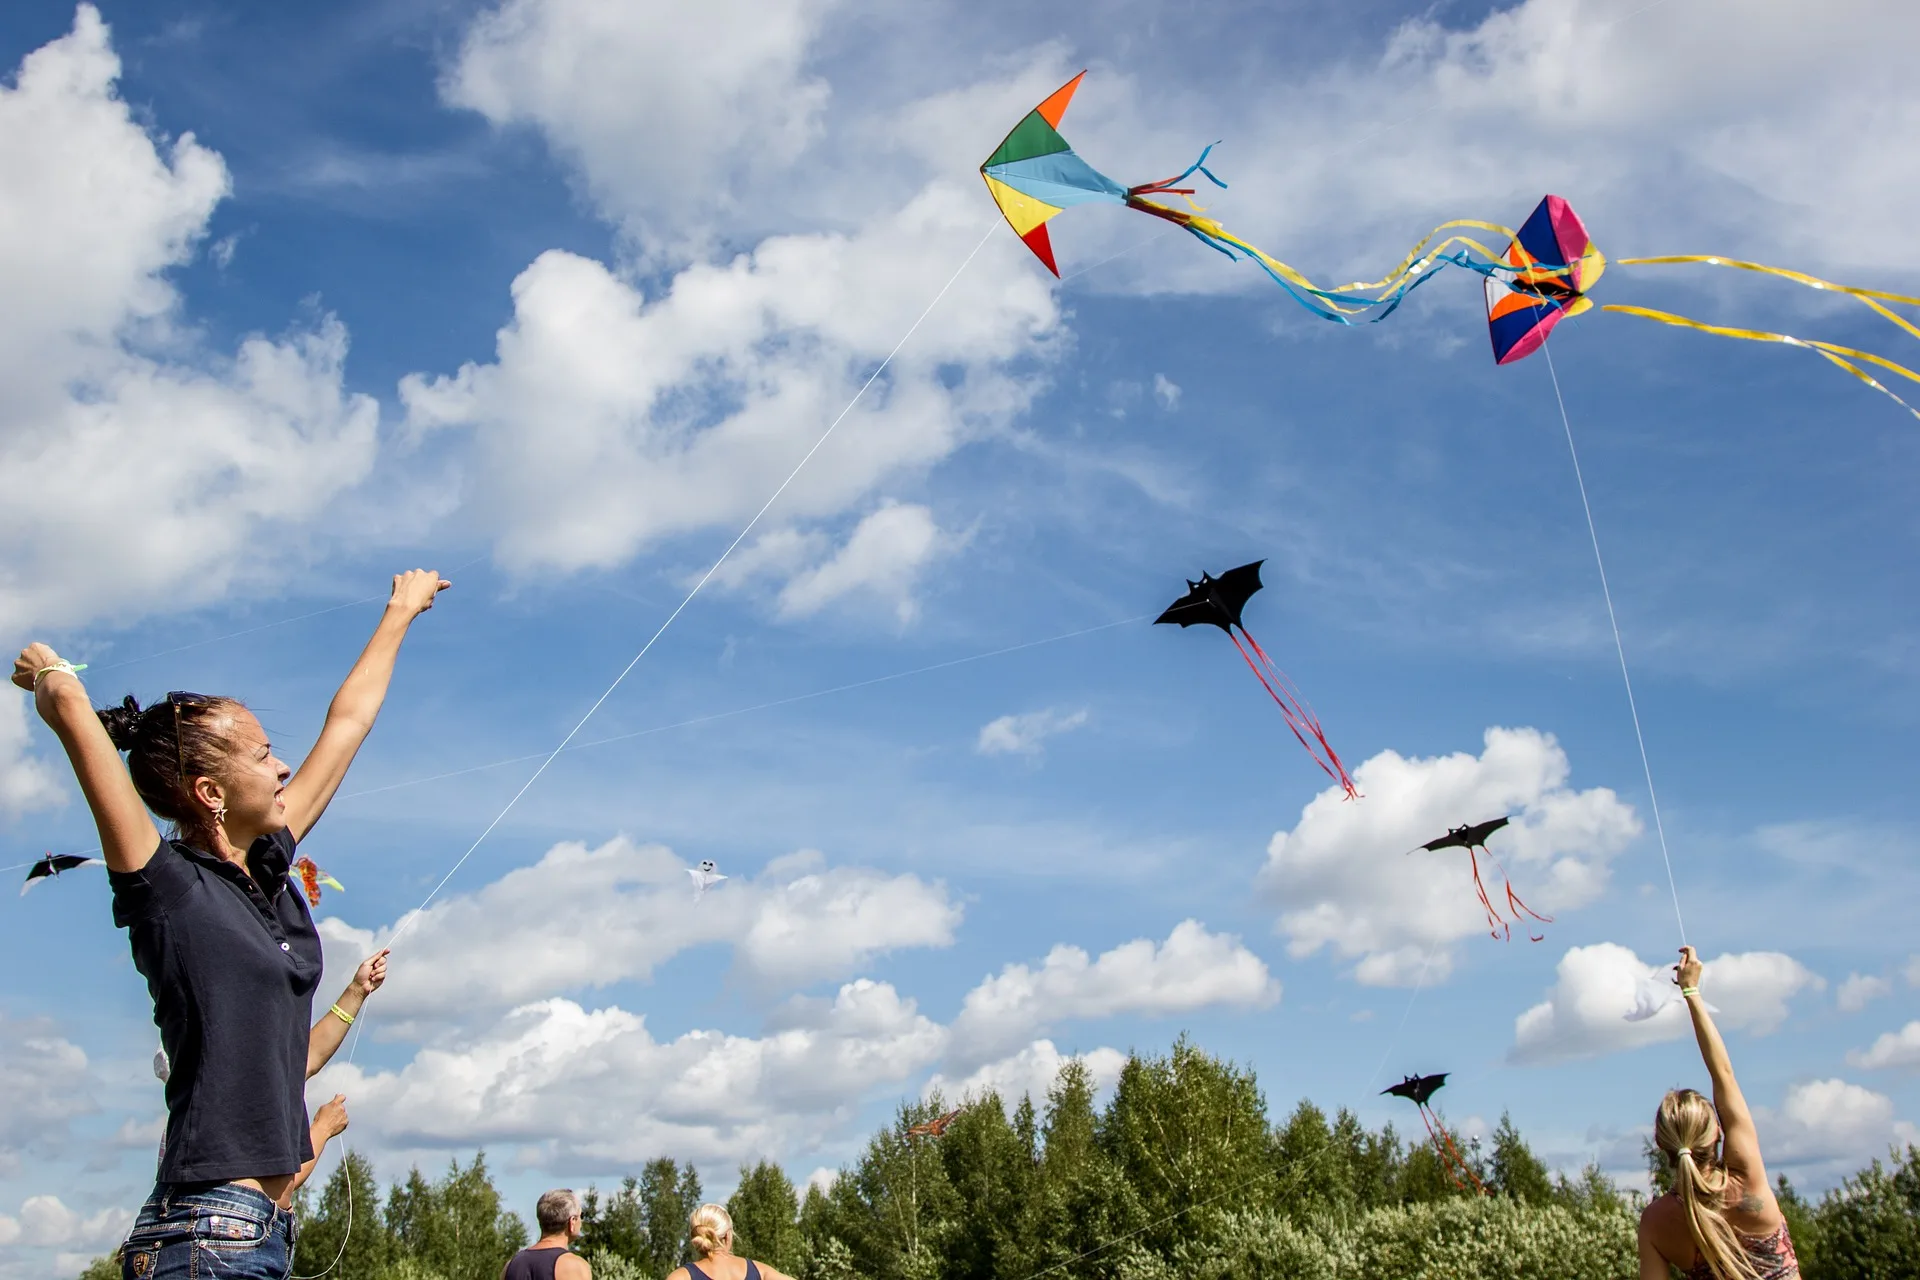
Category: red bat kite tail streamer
[1300,717]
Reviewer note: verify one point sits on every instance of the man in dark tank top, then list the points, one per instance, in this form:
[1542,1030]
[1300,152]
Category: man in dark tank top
[551,1257]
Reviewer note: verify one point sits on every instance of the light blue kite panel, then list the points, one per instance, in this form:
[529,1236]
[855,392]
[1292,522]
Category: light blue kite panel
[1060,179]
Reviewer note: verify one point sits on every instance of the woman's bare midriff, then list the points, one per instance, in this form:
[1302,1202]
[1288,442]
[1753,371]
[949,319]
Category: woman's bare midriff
[274,1188]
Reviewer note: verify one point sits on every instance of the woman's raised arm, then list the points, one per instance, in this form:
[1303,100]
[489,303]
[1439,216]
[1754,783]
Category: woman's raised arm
[351,714]
[128,837]
[1740,1142]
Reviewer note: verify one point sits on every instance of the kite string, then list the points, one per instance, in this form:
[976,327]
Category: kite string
[717,715]
[407,921]
[1613,620]
[759,706]
[793,475]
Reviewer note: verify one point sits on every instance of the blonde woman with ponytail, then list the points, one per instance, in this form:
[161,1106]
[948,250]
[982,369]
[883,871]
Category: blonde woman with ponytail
[710,1237]
[1720,1221]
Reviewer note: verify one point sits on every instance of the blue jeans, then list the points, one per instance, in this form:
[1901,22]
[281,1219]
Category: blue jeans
[186,1232]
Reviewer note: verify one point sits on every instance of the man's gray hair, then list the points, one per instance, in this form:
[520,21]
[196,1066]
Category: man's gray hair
[555,1210]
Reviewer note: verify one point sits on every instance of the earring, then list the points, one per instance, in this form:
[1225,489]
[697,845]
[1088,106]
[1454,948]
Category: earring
[219,813]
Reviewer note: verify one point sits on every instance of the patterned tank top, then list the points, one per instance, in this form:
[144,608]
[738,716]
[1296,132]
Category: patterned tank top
[1771,1254]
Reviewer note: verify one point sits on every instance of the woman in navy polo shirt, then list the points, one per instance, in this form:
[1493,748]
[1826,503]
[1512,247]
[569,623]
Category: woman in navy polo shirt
[221,933]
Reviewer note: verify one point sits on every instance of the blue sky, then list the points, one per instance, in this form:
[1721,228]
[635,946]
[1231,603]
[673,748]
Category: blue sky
[557,292]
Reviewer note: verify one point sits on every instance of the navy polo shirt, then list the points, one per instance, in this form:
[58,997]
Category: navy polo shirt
[232,961]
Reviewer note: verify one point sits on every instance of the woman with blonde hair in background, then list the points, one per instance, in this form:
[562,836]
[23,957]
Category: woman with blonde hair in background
[1720,1221]
[710,1235]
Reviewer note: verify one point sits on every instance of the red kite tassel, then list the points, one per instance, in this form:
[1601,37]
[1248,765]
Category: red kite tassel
[1450,1157]
[1516,906]
[1495,925]
[1299,716]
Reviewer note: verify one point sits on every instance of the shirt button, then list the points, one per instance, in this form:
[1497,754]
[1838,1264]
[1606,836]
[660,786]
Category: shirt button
[285,947]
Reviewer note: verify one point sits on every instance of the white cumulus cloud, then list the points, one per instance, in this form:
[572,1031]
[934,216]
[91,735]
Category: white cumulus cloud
[26,782]
[1025,734]
[581,919]
[1899,1049]
[1859,990]
[883,557]
[665,111]
[609,420]
[144,470]
[45,1222]
[1830,1123]
[1347,881]
[595,1087]
[46,1083]
[1192,969]
[1028,1073]
[1583,1015]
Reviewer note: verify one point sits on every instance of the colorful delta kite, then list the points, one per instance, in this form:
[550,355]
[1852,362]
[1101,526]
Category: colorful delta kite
[1551,263]
[1549,266]
[1473,838]
[1035,174]
[312,877]
[1218,602]
[1542,276]
[1417,1090]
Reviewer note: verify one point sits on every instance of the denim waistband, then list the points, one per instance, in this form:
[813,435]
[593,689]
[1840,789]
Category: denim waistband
[228,1196]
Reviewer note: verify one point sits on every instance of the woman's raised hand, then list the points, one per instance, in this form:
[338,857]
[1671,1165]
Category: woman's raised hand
[414,590]
[1687,972]
[33,659]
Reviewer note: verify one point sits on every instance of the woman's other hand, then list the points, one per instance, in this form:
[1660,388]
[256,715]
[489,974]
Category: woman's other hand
[331,1118]
[414,591]
[371,974]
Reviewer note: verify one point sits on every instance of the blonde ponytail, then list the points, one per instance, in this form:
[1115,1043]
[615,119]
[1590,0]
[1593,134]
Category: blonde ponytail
[710,1231]
[1687,1129]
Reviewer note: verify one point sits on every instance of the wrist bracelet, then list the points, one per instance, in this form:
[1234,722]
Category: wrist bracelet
[72,669]
[1689,991]
[341,1014]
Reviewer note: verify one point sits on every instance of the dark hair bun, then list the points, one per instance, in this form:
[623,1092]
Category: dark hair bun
[122,723]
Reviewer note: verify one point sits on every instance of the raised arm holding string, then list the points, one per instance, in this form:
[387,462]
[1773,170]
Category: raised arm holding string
[223,936]
[351,714]
[1720,1221]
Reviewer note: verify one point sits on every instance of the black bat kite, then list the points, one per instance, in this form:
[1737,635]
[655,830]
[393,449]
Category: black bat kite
[52,865]
[1217,602]
[1417,1090]
[1473,838]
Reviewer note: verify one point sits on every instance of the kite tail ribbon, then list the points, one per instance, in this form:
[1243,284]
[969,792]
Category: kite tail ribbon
[1514,904]
[1450,1157]
[1167,184]
[1841,356]
[1866,296]
[1300,718]
[1496,924]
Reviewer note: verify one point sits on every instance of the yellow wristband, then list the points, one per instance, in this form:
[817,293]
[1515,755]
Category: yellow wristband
[1684,991]
[341,1014]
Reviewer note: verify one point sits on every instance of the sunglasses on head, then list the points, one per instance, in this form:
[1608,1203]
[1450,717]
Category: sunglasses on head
[177,699]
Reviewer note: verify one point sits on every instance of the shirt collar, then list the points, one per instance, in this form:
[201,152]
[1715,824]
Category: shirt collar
[266,862]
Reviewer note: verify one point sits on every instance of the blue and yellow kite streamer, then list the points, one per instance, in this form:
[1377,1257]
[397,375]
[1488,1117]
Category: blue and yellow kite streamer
[1541,277]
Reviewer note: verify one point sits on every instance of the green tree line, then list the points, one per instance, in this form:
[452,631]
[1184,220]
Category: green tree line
[1180,1175]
